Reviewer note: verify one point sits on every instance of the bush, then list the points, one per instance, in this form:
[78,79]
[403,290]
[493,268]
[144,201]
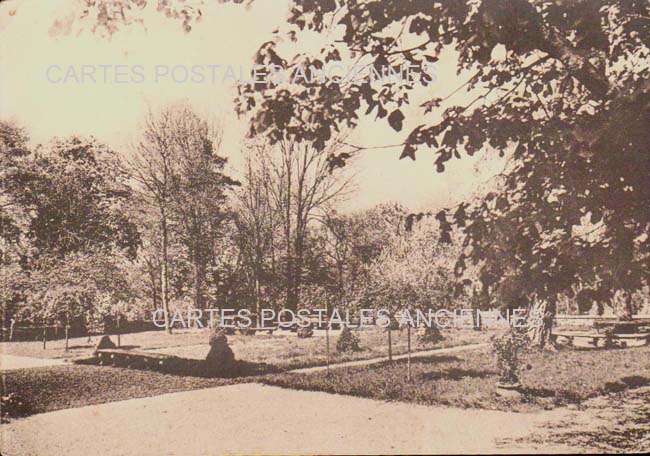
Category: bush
[226,330]
[305,331]
[429,335]
[507,348]
[388,321]
[347,342]
[104,343]
[220,359]
[12,406]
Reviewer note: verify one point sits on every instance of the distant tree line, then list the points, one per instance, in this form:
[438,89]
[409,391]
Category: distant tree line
[90,235]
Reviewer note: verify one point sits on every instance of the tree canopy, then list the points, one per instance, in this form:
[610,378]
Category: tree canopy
[66,234]
[69,196]
[560,88]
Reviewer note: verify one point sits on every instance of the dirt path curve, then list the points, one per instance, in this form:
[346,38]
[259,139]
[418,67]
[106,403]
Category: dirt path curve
[258,419]
[414,355]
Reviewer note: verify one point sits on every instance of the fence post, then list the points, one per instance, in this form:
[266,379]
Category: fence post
[408,349]
[44,336]
[327,343]
[118,330]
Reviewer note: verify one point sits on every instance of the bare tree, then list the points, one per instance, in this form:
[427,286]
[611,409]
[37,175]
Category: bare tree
[299,182]
[199,192]
[339,244]
[256,223]
[152,167]
[181,174]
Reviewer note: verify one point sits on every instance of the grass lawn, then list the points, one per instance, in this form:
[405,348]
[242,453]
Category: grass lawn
[468,379]
[281,349]
[60,387]
[616,423]
[465,379]
[79,346]
[289,352]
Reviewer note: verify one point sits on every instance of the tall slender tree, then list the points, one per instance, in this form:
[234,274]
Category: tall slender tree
[300,183]
[181,174]
[200,189]
[152,167]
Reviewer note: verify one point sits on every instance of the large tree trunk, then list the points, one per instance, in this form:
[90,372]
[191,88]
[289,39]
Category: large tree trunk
[540,323]
[198,285]
[623,304]
[290,301]
[257,298]
[341,284]
[154,285]
[165,270]
[294,269]
[297,277]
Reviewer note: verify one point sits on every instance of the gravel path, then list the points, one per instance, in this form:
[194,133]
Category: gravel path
[257,419]
[414,355]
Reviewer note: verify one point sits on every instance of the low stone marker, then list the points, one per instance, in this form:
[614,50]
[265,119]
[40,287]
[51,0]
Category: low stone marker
[220,358]
[143,360]
[104,343]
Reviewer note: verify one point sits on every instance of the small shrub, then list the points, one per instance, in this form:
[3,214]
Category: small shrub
[217,335]
[507,348]
[429,335]
[244,331]
[227,330]
[12,406]
[305,331]
[104,343]
[347,341]
[220,359]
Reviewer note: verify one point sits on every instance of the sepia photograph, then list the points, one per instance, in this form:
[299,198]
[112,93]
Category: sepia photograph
[324,227]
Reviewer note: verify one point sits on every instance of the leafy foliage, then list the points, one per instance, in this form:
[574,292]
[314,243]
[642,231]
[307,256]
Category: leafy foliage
[429,335]
[305,331]
[13,406]
[86,288]
[551,86]
[347,341]
[68,237]
[70,196]
[416,271]
[507,348]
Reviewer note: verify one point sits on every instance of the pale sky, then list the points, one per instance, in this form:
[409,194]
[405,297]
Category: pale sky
[41,39]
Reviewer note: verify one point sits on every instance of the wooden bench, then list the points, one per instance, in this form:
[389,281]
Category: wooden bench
[266,329]
[322,323]
[632,337]
[622,326]
[593,338]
